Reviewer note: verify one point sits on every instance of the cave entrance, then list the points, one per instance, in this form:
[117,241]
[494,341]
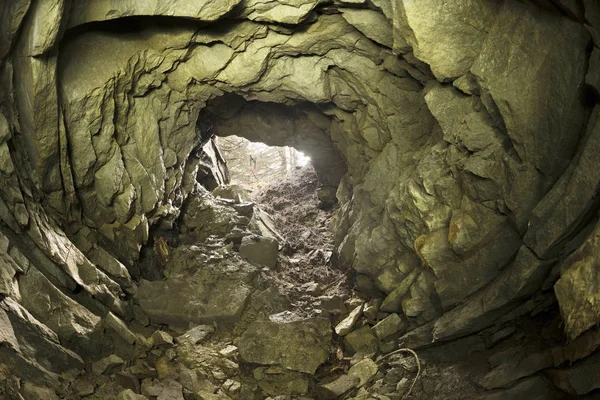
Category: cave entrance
[283,159]
[255,165]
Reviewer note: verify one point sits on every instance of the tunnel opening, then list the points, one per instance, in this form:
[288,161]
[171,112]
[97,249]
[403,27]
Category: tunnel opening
[282,159]
[254,165]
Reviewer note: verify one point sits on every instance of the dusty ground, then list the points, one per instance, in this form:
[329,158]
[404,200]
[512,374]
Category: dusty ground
[305,272]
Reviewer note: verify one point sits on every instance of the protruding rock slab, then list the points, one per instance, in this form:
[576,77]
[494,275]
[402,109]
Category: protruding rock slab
[528,105]
[446,35]
[300,345]
[197,291]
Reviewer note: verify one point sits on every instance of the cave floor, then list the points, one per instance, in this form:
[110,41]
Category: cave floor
[341,346]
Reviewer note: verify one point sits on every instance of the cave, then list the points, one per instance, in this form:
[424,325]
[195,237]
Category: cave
[453,197]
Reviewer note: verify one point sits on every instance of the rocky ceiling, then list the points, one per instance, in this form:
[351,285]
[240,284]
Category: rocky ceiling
[467,134]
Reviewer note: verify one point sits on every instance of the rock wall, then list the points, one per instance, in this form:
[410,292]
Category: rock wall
[468,131]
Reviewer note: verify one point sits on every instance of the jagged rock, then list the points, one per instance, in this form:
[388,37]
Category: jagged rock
[93,10]
[372,24]
[388,326]
[32,392]
[162,339]
[260,251]
[537,138]
[301,345]
[447,36]
[361,340]
[365,370]
[346,325]
[127,381]
[106,364]
[30,348]
[592,77]
[522,278]
[216,292]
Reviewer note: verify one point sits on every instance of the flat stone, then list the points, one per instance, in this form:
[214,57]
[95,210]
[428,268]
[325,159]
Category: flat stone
[216,292]
[300,346]
[365,370]
[335,389]
[196,335]
[388,326]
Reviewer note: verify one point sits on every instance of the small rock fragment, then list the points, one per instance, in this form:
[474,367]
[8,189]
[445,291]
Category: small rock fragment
[229,351]
[161,339]
[345,327]
[196,335]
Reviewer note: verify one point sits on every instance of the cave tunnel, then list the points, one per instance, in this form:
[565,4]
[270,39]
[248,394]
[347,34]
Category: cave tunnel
[442,243]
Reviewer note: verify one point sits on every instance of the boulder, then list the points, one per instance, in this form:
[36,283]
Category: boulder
[260,251]
[300,345]
[196,292]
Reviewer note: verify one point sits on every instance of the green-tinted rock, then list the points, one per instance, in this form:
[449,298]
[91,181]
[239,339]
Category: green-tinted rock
[301,345]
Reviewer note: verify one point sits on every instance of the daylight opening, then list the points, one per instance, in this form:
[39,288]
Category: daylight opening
[254,165]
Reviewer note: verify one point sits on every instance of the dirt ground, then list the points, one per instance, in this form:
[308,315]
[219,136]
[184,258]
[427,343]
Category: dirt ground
[305,272]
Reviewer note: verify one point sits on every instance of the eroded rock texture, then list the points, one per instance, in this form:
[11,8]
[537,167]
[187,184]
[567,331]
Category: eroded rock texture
[462,138]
